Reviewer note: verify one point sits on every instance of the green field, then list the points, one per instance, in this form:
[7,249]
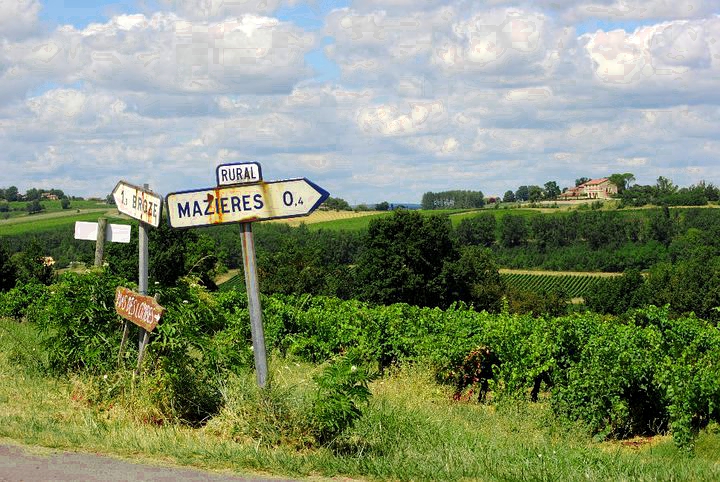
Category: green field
[362,222]
[18,209]
[348,224]
[52,221]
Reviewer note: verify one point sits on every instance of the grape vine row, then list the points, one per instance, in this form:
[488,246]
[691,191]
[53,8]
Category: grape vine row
[575,286]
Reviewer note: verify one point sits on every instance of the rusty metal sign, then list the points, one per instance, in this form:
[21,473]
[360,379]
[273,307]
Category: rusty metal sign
[142,310]
[138,203]
[247,203]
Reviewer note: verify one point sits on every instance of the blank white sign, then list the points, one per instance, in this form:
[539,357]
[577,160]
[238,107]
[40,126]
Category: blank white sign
[115,233]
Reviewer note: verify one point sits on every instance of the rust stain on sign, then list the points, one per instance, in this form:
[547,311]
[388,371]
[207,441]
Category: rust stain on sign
[142,310]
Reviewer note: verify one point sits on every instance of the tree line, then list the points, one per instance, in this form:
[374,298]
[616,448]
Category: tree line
[453,200]
[424,260]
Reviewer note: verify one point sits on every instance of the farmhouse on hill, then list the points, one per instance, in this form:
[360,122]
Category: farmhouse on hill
[594,189]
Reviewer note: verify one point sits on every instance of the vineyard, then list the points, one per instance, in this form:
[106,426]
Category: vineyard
[575,286]
[235,282]
[335,390]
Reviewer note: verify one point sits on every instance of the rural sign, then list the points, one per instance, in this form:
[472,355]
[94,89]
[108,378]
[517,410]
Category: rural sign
[116,233]
[144,311]
[238,173]
[246,203]
[138,203]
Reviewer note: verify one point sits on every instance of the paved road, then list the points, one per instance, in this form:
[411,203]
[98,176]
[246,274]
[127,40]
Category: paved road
[17,464]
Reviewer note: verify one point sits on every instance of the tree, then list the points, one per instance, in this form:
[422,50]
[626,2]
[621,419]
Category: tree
[618,294]
[404,257]
[660,226]
[11,194]
[581,180]
[338,204]
[383,206]
[173,254]
[476,231]
[522,193]
[7,270]
[109,199]
[535,193]
[552,190]
[65,203]
[513,230]
[509,197]
[31,265]
[474,278]
[665,186]
[33,194]
[453,200]
[34,207]
[622,181]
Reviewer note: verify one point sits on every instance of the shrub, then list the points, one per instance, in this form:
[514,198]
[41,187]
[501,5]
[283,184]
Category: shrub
[342,387]
[78,325]
[16,302]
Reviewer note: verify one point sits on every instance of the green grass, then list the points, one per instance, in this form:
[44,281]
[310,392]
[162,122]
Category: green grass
[411,430]
[40,223]
[349,224]
[19,208]
[456,215]
[362,222]
[497,213]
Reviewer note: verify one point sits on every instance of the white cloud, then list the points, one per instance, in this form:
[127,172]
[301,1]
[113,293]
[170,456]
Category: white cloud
[18,18]
[164,53]
[632,161]
[388,121]
[658,54]
[215,9]
[432,95]
[640,9]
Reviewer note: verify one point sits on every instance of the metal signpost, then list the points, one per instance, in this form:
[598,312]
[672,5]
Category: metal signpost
[242,197]
[144,205]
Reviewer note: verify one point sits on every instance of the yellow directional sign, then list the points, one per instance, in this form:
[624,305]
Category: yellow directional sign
[245,203]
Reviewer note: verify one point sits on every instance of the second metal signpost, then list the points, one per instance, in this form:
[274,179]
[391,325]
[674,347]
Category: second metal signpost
[145,206]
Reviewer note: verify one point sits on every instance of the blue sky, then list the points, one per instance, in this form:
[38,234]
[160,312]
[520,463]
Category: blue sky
[383,101]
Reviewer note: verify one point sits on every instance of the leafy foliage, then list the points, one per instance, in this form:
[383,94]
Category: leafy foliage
[404,257]
[453,200]
[342,387]
[79,326]
[7,270]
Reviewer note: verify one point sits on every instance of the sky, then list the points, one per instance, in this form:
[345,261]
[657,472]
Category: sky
[373,100]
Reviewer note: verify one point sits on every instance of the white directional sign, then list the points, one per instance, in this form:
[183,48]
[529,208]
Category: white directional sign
[253,202]
[238,173]
[115,233]
[138,203]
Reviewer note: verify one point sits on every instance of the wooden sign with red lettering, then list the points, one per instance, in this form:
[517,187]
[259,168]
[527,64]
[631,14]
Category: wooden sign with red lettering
[142,310]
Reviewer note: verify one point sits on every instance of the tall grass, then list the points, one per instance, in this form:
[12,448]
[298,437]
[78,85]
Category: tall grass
[411,430]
